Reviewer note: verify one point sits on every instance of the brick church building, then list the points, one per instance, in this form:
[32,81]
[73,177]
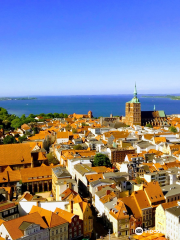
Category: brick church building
[134,115]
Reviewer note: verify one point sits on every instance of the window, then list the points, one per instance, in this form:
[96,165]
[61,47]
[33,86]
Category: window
[60,229]
[11,210]
[5,212]
[64,228]
[52,232]
[79,226]
[56,231]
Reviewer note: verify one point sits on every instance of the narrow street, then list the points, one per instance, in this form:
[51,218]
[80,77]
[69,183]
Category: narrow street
[98,227]
[100,232]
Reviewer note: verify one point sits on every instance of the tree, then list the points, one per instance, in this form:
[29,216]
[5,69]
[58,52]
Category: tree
[16,123]
[78,147]
[101,160]
[35,130]
[173,129]
[74,130]
[149,125]
[51,159]
[139,180]
[23,138]
[9,140]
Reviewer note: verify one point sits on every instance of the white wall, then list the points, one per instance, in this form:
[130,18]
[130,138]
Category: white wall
[25,207]
[61,140]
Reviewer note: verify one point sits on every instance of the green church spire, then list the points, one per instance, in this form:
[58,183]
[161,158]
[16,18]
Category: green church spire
[135,99]
[135,91]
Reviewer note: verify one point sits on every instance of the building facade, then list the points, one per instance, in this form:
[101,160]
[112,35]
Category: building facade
[133,111]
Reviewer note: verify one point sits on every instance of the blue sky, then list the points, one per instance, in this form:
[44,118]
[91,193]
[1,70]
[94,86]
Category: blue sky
[79,47]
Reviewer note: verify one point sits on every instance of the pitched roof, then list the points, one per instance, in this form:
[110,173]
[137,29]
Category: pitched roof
[154,192]
[94,177]
[63,134]
[169,205]
[141,199]
[66,194]
[15,232]
[51,218]
[119,211]
[14,176]
[64,214]
[100,169]
[131,204]
[6,205]
[32,174]
[14,154]
[27,196]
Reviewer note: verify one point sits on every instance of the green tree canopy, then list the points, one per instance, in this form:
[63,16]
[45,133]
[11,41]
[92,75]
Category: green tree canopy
[9,140]
[16,123]
[51,159]
[78,147]
[23,138]
[149,125]
[101,160]
[173,129]
[74,130]
[139,180]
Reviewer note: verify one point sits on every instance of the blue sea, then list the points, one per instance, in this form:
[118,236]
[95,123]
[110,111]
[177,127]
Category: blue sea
[100,105]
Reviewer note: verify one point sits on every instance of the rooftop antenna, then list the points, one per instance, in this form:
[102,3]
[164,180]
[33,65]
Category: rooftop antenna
[154,108]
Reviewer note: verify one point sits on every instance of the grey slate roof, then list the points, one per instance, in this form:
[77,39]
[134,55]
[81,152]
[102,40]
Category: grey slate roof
[170,190]
[83,169]
[115,174]
[99,181]
[174,210]
[61,172]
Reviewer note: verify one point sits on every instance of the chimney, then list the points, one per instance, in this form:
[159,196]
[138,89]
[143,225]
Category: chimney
[70,186]
[108,192]
[71,205]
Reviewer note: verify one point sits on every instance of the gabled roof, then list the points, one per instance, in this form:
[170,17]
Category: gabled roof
[132,205]
[51,218]
[68,193]
[154,192]
[141,199]
[119,211]
[15,232]
[64,214]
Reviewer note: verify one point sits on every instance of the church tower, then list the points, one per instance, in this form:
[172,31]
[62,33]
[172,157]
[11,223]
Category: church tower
[133,110]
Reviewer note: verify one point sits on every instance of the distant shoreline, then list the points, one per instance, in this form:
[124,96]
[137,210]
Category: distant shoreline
[18,98]
[167,96]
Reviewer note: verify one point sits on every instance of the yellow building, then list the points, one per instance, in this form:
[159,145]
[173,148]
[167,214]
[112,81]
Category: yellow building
[83,210]
[61,180]
[160,216]
[120,219]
